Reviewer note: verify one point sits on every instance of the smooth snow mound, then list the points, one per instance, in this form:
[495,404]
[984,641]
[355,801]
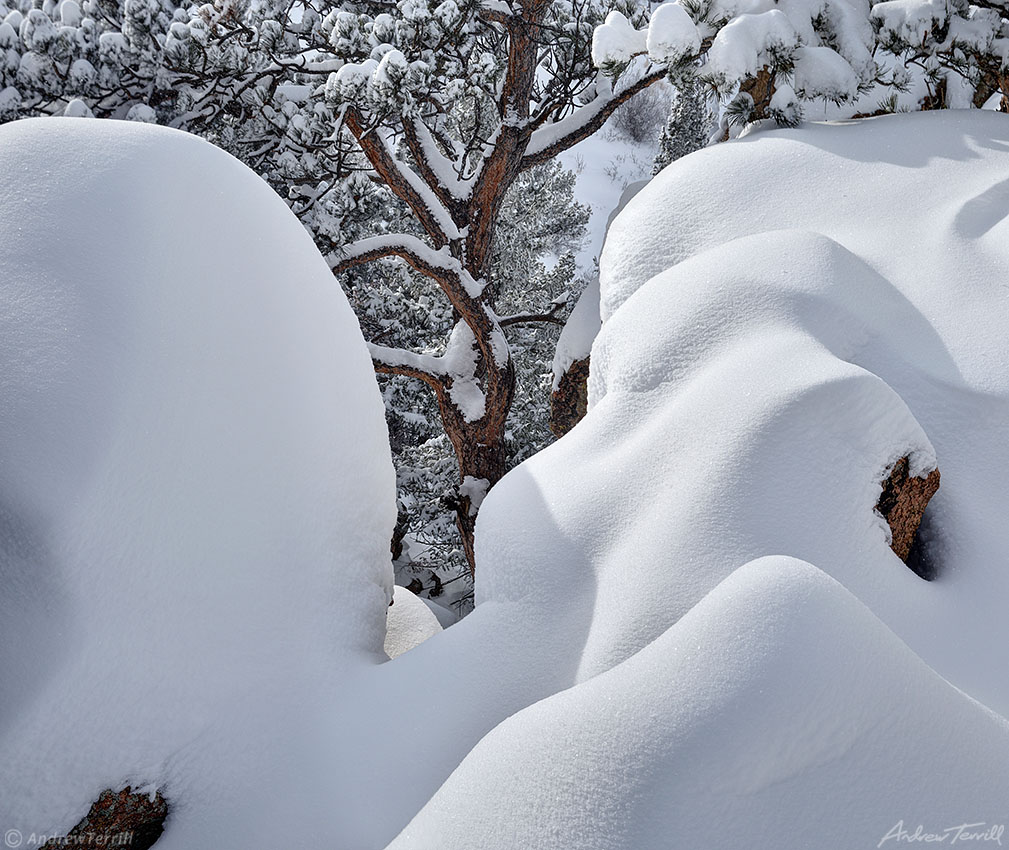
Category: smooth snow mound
[777,712]
[929,216]
[784,317]
[409,623]
[197,490]
[199,501]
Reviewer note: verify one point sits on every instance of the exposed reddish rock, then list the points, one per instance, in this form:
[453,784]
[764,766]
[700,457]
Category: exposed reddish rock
[569,401]
[123,819]
[902,504]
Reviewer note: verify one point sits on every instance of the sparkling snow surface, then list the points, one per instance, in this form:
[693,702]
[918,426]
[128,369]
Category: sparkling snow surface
[690,629]
[786,315]
[197,490]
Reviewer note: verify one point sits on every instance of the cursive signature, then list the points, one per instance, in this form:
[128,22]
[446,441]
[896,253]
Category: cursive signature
[960,834]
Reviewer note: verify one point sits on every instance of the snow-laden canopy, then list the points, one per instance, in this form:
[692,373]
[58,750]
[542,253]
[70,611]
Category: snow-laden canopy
[197,495]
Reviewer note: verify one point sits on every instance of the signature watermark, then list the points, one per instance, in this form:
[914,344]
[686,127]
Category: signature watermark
[15,838]
[963,833]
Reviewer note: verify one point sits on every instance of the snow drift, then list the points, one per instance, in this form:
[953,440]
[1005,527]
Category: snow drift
[785,317]
[197,490]
[690,626]
[911,290]
[777,712]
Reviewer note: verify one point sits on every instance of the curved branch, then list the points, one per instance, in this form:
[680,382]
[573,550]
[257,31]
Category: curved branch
[529,318]
[418,254]
[464,293]
[436,169]
[552,139]
[398,361]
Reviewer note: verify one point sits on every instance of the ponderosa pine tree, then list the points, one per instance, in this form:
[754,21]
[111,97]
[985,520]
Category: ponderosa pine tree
[478,95]
[444,106]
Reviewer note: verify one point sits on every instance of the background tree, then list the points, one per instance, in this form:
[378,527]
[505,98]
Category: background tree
[476,96]
[688,126]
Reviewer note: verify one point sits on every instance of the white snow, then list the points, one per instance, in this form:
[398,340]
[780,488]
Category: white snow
[70,13]
[672,35]
[409,623]
[777,332]
[689,628]
[608,168]
[758,720]
[910,20]
[459,363]
[143,113]
[822,72]
[617,41]
[76,108]
[197,490]
[475,489]
[747,43]
[579,331]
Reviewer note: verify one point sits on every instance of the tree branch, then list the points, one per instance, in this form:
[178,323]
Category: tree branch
[530,318]
[436,169]
[463,292]
[420,256]
[552,139]
[404,183]
[398,361]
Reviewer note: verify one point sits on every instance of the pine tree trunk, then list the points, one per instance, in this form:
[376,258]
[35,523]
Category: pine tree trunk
[481,453]
[482,458]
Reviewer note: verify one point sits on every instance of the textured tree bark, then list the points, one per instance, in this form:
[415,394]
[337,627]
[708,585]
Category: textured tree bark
[992,81]
[480,451]
[481,461]
[761,89]
[902,504]
[125,819]
[569,402]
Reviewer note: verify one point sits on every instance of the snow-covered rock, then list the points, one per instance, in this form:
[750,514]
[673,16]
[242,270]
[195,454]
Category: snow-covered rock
[197,491]
[410,622]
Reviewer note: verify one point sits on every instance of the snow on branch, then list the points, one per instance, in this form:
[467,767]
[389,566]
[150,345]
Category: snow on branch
[399,361]
[550,315]
[440,172]
[402,180]
[554,138]
[419,254]
[437,264]
[453,376]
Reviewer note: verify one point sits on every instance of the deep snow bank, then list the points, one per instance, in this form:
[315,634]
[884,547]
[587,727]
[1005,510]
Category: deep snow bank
[197,490]
[185,606]
[916,211]
[777,712]
[785,316]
